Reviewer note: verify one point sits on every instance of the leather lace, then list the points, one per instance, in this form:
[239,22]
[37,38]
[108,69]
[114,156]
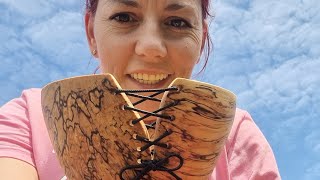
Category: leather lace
[145,166]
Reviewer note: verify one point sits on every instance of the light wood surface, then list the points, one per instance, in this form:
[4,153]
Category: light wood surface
[93,138]
[203,119]
[90,131]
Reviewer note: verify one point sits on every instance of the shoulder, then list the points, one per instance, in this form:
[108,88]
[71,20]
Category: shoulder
[34,93]
[20,105]
[248,151]
[241,116]
[15,126]
[20,111]
[30,98]
[242,120]
[244,131]
[31,93]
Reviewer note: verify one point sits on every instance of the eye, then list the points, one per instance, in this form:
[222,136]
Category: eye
[178,23]
[122,17]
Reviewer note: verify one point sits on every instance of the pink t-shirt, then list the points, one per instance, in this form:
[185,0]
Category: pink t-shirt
[23,136]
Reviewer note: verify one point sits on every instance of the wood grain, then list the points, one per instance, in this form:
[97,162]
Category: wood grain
[89,130]
[203,119]
[93,138]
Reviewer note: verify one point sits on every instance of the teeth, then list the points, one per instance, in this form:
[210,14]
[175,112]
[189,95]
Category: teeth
[145,77]
[148,78]
[152,77]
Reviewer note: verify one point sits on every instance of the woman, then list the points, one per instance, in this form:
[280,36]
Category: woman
[144,44]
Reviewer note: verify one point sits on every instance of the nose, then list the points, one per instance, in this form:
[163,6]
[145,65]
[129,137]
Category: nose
[150,41]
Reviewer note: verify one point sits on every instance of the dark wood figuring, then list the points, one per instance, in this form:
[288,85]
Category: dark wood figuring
[202,121]
[90,131]
[93,137]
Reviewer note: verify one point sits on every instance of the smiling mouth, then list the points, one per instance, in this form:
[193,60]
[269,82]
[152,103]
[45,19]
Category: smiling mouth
[148,78]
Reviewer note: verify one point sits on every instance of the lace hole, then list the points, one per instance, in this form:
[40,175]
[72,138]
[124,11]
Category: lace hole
[139,149]
[134,136]
[178,88]
[115,92]
[169,146]
[139,161]
[123,107]
[172,117]
[131,123]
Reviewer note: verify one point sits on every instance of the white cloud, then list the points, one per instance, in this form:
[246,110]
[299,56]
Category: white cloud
[7,89]
[72,3]
[31,66]
[42,8]
[312,141]
[11,67]
[43,41]
[279,29]
[267,52]
[287,102]
[312,172]
[30,8]
[61,38]
[5,35]
[289,82]
[268,48]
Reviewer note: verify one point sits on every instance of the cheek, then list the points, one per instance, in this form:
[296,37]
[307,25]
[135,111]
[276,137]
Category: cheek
[114,61]
[184,56]
[114,52]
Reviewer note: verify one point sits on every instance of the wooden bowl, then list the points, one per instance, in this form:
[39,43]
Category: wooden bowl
[93,136]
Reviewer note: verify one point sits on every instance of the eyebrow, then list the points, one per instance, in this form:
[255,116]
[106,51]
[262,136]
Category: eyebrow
[130,3]
[135,4]
[174,7]
[181,6]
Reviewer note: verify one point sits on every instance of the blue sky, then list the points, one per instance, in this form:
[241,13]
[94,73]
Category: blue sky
[267,52]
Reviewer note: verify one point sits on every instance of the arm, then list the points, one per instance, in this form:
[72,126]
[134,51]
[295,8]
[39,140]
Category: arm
[16,154]
[16,169]
[250,155]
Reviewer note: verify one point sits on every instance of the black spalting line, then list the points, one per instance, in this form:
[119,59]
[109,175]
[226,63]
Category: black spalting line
[204,158]
[107,84]
[94,94]
[81,103]
[203,111]
[185,136]
[201,94]
[77,103]
[60,104]
[208,88]
[90,137]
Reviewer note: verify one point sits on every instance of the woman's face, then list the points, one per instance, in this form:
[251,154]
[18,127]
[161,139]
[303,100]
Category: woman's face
[147,43]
